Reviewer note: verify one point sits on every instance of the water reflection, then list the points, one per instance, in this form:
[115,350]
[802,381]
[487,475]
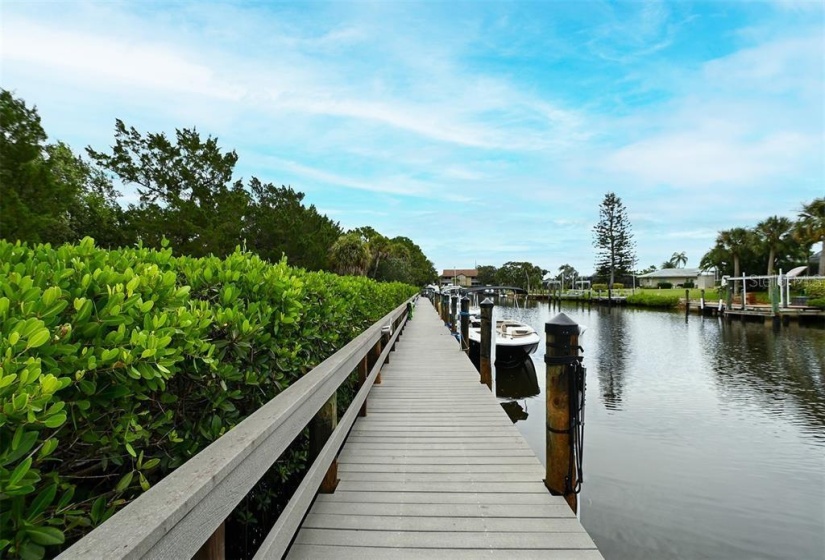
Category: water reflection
[615,339]
[772,369]
[720,445]
[516,382]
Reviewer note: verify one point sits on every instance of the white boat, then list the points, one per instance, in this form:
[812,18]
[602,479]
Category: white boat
[514,340]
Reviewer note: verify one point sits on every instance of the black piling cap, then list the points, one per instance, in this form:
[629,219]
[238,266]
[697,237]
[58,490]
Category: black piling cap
[561,325]
[487,303]
[465,298]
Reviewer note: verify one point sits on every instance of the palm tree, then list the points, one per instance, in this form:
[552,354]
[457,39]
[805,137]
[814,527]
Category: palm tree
[679,259]
[772,232]
[718,257]
[350,255]
[810,228]
[735,241]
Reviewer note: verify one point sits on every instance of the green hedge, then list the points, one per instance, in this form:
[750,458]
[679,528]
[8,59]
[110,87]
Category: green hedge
[815,288]
[118,366]
[654,298]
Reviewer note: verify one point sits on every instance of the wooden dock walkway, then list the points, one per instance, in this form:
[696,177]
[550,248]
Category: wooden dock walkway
[437,470]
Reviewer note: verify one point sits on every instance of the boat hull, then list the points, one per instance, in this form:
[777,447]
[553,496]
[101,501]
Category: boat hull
[505,353]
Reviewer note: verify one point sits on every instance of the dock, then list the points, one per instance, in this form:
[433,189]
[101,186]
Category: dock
[436,469]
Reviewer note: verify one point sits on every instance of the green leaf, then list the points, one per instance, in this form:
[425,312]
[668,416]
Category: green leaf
[31,551]
[38,338]
[130,449]
[18,436]
[98,509]
[48,448]
[66,498]
[41,502]
[55,421]
[46,535]
[124,482]
[20,471]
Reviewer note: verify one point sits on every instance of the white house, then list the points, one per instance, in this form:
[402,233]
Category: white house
[677,277]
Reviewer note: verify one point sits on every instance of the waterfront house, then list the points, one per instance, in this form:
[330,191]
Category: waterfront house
[677,277]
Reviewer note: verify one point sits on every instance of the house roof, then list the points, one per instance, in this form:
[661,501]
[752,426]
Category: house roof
[673,273]
[468,272]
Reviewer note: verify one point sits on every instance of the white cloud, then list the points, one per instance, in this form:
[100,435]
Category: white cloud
[108,61]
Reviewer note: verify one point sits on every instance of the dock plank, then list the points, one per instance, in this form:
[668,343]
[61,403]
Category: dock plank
[437,470]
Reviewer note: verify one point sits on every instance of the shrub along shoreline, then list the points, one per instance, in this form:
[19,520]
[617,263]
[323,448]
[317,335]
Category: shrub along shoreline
[119,365]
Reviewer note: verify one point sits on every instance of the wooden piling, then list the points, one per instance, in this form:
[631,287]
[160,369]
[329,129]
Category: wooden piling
[561,351]
[465,324]
[320,429]
[445,306]
[486,342]
[453,314]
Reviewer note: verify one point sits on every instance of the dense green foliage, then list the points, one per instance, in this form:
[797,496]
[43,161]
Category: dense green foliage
[119,365]
[654,298]
[46,192]
[810,228]
[815,288]
[519,274]
[774,243]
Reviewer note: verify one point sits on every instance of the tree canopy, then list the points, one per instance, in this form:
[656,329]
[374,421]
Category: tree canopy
[774,243]
[810,228]
[47,193]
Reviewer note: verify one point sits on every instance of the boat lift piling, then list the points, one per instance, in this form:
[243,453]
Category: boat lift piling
[465,325]
[453,313]
[486,342]
[565,408]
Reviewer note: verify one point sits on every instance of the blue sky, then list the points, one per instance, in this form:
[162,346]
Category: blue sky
[484,131]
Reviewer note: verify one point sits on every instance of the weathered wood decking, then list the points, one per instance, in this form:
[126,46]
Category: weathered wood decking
[437,470]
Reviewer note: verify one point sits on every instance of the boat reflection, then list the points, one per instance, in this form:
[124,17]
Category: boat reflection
[516,382]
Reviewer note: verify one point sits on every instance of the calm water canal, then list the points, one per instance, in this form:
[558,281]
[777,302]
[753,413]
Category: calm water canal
[703,439]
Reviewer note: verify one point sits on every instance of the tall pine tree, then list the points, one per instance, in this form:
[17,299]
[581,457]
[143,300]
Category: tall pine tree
[614,240]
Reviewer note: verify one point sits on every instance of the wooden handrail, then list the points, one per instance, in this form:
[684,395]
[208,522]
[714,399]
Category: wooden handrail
[176,516]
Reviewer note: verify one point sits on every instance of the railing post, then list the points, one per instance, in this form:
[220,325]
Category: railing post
[215,547]
[465,324]
[563,399]
[486,342]
[363,372]
[744,291]
[320,429]
[453,314]
[373,355]
[386,333]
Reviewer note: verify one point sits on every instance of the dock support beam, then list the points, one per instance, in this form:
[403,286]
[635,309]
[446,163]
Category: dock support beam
[564,395]
[486,342]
